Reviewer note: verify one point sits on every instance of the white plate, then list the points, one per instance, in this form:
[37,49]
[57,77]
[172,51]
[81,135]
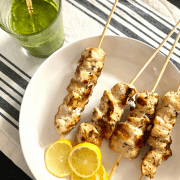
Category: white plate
[46,90]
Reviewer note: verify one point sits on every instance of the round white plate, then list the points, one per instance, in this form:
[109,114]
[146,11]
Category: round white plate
[46,90]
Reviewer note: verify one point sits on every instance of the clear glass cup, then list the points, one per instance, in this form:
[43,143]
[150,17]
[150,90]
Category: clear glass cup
[42,43]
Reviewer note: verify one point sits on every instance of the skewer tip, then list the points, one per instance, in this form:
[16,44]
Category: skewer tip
[178,89]
[115,166]
[141,177]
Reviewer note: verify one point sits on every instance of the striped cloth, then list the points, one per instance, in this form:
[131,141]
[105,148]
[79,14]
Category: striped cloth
[148,21]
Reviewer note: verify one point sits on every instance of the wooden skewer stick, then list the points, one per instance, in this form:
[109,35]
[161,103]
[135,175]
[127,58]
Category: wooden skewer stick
[30,8]
[141,177]
[162,71]
[178,89]
[153,55]
[166,62]
[107,23]
[115,165]
[156,83]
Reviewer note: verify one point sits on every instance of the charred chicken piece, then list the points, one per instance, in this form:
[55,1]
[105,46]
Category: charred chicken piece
[90,132]
[146,102]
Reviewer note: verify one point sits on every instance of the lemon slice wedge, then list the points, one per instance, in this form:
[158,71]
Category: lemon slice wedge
[56,158]
[101,174]
[85,159]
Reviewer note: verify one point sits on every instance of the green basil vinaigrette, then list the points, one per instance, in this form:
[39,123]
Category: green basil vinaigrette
[44,12]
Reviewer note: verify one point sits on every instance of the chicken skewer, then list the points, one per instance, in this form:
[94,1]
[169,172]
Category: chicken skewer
[68,113]
[81,86]
[79,89]
[129,136]
[160,139]
[158,131]
[106,117]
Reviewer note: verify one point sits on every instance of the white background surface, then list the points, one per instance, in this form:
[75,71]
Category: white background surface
[12,50]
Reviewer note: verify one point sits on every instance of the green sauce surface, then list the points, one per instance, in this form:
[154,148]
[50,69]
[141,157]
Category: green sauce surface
[21,21]
[42,33]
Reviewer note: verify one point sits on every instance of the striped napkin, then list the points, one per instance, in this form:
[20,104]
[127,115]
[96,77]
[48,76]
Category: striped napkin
[148,21]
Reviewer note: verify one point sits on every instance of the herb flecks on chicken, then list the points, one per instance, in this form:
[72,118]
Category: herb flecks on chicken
[130,136]
[160,139]
[79,89]
[107,115]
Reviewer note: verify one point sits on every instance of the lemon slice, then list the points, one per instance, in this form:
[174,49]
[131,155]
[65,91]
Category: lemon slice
[56,158]
[101,174]
[85,159]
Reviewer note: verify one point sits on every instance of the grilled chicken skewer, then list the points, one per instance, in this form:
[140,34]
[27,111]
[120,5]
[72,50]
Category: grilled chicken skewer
[108,114]
[91,132]
[68,115]
[81,86]
[106,117]
[158,129]
[129,136]
[160,139]
[79,89]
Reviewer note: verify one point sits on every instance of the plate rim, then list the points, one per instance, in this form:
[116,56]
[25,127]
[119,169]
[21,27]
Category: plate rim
[47,61]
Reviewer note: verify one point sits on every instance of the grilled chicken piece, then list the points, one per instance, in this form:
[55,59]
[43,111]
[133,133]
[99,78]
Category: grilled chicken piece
[79,89]
[138,119]
[123,92]
[89,132]
[172,98]
[160,139]
[129,137]
[110,111]
[118,145]
[146,102]
[160,143]
[129,134]
[109,107]
[165,116]
[127,140]
[151,162]
[108,114]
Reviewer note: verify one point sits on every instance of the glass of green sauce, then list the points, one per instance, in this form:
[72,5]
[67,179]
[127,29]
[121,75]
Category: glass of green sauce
[40,34]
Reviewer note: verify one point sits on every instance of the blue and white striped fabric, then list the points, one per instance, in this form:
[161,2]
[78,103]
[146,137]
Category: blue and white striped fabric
[82,18]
